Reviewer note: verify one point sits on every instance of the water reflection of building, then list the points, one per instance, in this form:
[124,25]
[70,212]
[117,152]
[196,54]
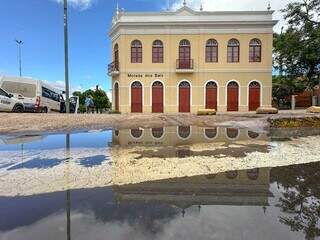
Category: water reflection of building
[246,187]
[182,135]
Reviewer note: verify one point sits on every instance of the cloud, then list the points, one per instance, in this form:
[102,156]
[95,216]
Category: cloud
[80,4]
[231,5]
[60,85]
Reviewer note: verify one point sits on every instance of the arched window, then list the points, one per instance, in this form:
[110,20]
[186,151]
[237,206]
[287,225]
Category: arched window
[184,132]
[116,52]
[136,133]
[184,61]
[184,84]
[157,52]
[184,43]
[255,50]
[116,56]
[212,51]
[136,51]
[233,51]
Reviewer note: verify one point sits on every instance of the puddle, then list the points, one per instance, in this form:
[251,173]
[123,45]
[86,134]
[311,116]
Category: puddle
[160,183]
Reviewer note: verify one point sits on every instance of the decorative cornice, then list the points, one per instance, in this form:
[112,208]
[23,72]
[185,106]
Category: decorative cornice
[201,71]
[181,29]
[194,21]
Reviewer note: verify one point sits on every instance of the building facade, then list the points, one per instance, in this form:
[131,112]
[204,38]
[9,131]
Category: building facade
[187,60]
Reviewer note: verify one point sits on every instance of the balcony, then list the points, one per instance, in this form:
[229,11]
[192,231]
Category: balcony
[184,66]
[113,69]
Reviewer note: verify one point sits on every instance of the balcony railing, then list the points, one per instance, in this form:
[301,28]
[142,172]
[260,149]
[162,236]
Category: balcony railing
[113,68]
[184,65]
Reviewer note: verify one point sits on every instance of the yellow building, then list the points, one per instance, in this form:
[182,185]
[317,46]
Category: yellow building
[186,60]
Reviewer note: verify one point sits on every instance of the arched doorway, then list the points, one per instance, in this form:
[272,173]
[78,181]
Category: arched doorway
[116,96]
[157,132]
[211,95]
[211,132]
[136,97]
[233,97]
[157,97]
[184,96]
[232,133]
[254,96]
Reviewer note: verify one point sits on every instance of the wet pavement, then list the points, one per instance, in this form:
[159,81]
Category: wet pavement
[161,183]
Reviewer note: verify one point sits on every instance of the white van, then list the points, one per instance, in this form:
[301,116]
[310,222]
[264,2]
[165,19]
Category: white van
[10,104]
[36,95]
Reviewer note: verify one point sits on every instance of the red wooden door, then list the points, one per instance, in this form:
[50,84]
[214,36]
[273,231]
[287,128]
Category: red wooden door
[254,96]
[116,96]
[184,97]
[233,97]
[157,97]
[211,95]
[184,57]
[136,97]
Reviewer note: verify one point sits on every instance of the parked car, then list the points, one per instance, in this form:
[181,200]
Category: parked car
[36,95]
[8,103]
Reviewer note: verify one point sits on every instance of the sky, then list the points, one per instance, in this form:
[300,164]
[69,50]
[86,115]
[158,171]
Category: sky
[39,24]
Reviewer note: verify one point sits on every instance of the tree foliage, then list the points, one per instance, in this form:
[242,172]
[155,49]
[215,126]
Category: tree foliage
[297,49]
[99,96]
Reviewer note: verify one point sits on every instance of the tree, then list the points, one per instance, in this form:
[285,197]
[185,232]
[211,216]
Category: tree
[100,99]
[296,50]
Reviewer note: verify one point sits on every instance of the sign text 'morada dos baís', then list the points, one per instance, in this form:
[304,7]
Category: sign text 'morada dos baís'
[146,75]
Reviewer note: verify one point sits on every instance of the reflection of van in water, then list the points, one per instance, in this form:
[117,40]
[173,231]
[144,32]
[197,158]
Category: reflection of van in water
[36,95]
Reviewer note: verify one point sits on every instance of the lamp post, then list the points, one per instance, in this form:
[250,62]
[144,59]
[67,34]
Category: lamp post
[66,58]
[19,42]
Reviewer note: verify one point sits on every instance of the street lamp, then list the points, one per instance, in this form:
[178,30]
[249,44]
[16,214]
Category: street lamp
[66,58]
[19,42]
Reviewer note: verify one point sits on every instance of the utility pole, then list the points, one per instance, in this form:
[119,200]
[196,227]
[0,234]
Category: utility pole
[66,58]
[19,42]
